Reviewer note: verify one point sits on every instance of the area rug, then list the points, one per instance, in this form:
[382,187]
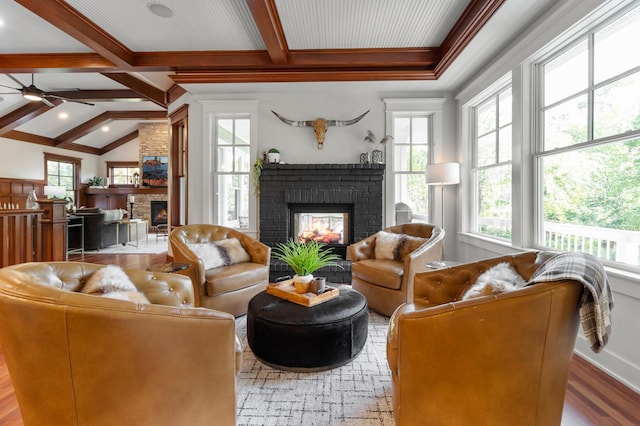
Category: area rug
[358,393]
[151,245]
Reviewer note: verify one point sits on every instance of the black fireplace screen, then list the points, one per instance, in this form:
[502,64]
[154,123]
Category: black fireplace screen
[321,223]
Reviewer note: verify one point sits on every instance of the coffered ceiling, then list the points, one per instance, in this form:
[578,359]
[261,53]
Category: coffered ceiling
[130,62]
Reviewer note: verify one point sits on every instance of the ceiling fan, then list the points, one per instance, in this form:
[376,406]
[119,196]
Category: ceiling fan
[33,93]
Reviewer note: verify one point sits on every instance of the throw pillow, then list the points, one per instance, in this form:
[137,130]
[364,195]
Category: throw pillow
[499,279]
[220,253]
[111,281]
[390,245]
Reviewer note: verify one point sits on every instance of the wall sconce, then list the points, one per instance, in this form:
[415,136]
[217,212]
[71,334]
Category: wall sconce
[136,179]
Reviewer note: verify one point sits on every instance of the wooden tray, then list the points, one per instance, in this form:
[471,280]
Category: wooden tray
[286,290]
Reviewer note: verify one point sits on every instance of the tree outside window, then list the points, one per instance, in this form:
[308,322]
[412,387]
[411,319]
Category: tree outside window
[589,152]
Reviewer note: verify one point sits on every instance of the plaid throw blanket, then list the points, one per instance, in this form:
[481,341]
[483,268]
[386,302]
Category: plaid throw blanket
[597,300]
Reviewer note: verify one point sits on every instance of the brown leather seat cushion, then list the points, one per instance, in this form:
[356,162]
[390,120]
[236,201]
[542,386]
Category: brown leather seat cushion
[234,277]
[381,272]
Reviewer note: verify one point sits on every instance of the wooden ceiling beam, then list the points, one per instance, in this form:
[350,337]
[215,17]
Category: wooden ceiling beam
[62,62]
[119,142]
[117,95]
[29,137]
[261,76]
[148,91]
[61,15]
[265,15]
[23,114]
[473,18]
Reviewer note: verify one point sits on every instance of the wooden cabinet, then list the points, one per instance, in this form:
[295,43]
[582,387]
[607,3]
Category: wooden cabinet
[20,236]
[107,201]
[54,230]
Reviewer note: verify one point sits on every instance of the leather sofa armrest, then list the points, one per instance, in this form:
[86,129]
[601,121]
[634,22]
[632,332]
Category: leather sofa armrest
[162,288]
[362,250]
[182,253]
[259,252]
[416,262]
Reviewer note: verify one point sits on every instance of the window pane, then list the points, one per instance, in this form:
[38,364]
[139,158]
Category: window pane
[52,167]
[590,201]
[419,158]
[419,130]
[486,117]
[402,158]
[494,201]
[402,130]
[225,131]
[566,124]
[612,54]
[243,131]
[242,161]
[504,141]
[412,190]
[233,197]
[486,150]
[617,107]
[567,74]
[505,106]
[225,159]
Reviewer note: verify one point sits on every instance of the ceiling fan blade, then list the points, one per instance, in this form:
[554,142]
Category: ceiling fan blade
[22,86]
[48,95]
[9,87]
[48,102]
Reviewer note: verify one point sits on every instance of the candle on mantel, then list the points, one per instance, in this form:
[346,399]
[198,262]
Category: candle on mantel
[132,199]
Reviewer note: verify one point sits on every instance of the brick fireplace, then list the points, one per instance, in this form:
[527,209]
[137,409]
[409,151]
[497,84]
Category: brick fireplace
[323,188]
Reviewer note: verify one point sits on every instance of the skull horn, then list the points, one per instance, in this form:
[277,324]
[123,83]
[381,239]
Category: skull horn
[346,122]
[293,122]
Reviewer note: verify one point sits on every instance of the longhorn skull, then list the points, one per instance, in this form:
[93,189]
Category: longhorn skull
[320,125]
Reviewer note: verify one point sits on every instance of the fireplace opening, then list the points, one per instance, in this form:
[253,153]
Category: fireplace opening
[330,224]
[159,214]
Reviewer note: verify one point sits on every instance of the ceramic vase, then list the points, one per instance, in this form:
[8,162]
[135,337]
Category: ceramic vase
[376,156]
[32,200]
[302,283]
[273,157]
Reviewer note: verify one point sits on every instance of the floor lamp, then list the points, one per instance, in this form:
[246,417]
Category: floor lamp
[442,174]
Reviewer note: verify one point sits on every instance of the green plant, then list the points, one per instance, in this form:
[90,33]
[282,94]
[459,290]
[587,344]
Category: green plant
[305,258]
[96,181]
[274,151]
[257,171]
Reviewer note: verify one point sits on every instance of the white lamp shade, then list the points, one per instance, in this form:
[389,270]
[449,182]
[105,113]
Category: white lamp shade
[442,174]
[55,191]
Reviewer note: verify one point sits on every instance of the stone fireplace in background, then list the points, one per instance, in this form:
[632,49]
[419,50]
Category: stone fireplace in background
[347,198]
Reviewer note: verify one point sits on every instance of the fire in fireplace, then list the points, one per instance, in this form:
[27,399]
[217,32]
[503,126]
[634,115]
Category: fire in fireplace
[325,223]
[158,213]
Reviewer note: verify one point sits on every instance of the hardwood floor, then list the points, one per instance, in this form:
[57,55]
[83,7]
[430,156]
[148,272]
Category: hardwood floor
[593,398]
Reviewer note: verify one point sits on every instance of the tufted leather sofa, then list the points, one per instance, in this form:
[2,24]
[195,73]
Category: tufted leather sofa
[500,359]
[388,283]
[87,360]
[227,288]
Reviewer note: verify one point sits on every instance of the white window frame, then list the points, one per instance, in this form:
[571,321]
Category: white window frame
[211,110]
[430,107]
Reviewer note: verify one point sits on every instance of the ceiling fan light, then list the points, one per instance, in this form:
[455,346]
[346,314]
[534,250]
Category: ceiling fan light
[32,96]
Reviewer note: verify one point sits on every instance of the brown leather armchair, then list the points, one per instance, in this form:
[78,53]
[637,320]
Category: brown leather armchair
[79,359]
[501,359]
[388,283]
[226,288]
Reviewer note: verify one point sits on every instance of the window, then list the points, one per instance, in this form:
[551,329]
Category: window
[588,153]
[491,172]
[233,166]
[411,132]
[63,171]
[123,173]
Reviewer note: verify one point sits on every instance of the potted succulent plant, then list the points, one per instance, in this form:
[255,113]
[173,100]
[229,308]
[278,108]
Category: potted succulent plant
[273,155]
[304,259]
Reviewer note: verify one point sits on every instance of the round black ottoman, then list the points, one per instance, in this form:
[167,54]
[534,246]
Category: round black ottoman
[289,336]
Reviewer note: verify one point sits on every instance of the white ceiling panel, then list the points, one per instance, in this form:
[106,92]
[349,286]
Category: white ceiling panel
[195,24]
[116,130]
[23,32]
[366,24]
